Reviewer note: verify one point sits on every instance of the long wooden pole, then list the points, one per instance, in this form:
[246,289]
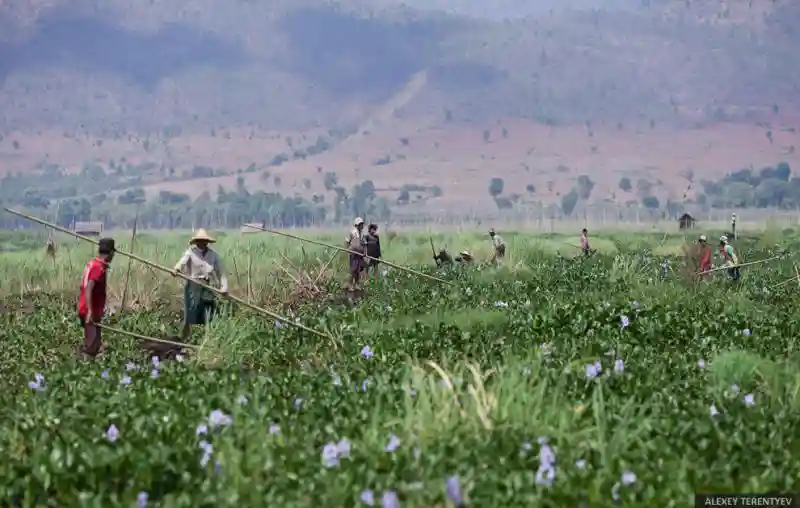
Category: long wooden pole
[130,265]
[743,264]
[342,249]
[177,274]
[145,337]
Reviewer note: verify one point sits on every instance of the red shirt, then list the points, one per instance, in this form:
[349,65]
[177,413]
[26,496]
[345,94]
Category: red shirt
[95,271]
[705,259]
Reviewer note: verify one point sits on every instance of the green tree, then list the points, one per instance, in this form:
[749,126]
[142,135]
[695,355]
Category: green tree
[569,201]
[625,184]
[585,186]
[331,180]
[496,186]
[650,202]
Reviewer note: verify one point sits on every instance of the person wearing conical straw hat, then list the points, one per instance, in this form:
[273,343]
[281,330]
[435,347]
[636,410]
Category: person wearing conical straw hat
[704,264]
[499,246]
[731,259]
[204,265]
[464,257]
[356,242]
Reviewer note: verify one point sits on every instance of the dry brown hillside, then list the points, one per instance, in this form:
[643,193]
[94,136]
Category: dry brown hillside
[400,96]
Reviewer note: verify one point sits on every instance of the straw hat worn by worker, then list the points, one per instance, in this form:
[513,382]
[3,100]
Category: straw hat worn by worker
[202,264]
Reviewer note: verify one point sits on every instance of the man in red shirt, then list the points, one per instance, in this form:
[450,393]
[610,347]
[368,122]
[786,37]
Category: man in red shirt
[92,299]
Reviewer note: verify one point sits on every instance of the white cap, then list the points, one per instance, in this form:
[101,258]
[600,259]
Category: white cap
[723,239]
[358,221]
[703,238]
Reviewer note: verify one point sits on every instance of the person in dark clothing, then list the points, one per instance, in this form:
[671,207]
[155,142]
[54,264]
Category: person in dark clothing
[373,250]
[442,259]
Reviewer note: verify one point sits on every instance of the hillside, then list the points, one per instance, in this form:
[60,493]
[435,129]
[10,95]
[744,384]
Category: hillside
[140,65]
[430,99]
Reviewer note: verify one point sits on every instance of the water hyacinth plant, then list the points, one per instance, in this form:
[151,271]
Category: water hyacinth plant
[541,382]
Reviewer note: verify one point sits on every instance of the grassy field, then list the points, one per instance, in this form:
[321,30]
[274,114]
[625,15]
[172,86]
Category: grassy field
[548,381]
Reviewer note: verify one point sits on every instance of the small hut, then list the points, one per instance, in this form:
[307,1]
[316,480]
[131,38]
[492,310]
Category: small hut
[686,221]
[89,228]
[253,227]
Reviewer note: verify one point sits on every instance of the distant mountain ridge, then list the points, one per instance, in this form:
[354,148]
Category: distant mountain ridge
[116,66]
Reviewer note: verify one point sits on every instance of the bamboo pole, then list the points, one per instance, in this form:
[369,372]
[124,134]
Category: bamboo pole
[144,337]
[743,264]
[342,249]
[176,274]
[130,265]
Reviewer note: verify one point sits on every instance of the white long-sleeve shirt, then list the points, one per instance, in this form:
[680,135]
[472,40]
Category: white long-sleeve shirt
[197,265]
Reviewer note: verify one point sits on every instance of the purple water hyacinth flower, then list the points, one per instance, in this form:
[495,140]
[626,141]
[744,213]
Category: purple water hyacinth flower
[298,402]
[453,490]
[592,371]
[367,497]
[112,434]
[131,367]
[713,411]
[217,419]
[154,373]
[242,400]
[394,444]
[141,500]
[278,324]
[735,389]
[746,331]
[628,478]
[179,358]
[208,451]
[125,380]
[343,448]
[701,363]
[389,500]
[156,362]
[201,430]
[367,353]
[624,321]
[104,374]
[619,366]
[545,476]
[274,428]
[364,385]
[580,464]
[38,383]
[337,381]
[330,455]
[749,400]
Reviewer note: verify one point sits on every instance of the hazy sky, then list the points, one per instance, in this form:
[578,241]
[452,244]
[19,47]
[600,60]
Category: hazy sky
[499,9]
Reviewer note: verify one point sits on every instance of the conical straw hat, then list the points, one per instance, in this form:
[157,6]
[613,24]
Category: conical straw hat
[201,235]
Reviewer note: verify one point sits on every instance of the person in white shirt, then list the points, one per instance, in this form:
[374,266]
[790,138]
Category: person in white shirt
[202,264]
[499,246]
[356,244]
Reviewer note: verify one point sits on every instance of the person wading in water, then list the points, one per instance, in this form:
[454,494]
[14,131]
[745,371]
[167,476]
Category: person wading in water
[200,264]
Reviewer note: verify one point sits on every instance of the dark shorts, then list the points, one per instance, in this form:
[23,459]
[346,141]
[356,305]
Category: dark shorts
[356,263]
[198,307]
[733,273]
[501,251]
[92,337]
[372,263]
